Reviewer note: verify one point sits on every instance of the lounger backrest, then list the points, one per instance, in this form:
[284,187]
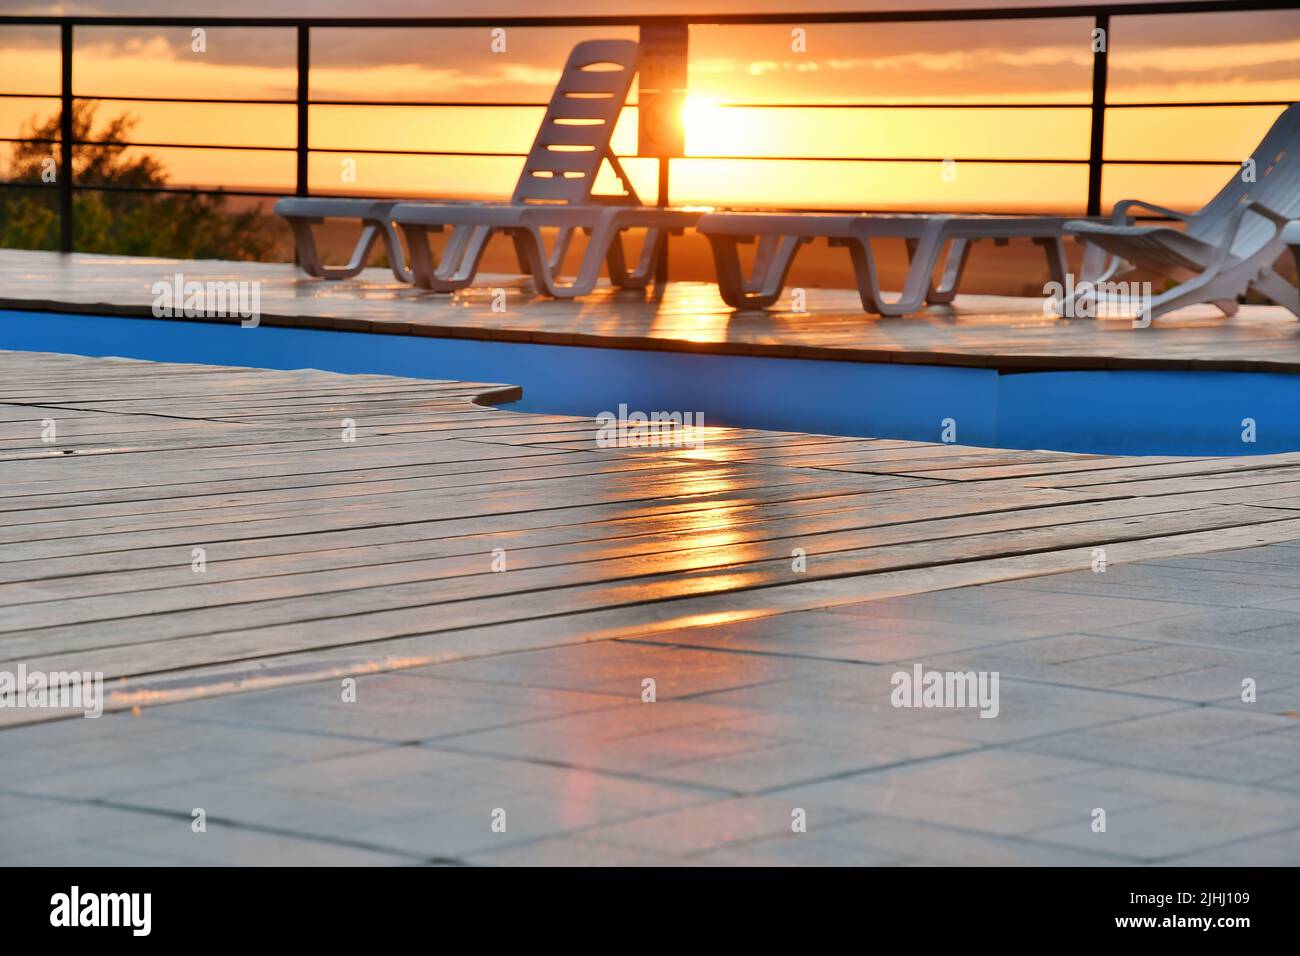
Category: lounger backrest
[1276,173]
[572,141]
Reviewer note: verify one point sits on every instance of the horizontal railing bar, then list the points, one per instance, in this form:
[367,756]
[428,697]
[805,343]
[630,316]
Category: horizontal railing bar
[213,191]
[1074,11]
[494,104]
[181,190]
[186,99]
[985,160]
[509,104]
[956,159]
[1080,105]
[135,145]
[170,190]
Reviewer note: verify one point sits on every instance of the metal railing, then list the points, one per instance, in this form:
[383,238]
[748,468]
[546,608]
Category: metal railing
[1100,14]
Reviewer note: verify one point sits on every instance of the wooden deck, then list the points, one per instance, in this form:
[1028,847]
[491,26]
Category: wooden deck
[327,557]
[984,331]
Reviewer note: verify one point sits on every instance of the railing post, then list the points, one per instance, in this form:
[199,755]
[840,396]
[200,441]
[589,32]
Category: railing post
[65,138]
[660,96]
[1097,141]
[304,89]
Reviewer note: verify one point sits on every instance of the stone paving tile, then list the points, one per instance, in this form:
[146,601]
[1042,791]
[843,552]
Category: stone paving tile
[644,752]
[235,739]
[851,734]
[1170,586]
[1230,796]
[1097,671]
[1119,691]
[570,851]
[466,826]
[1004,796]
[1282,555]
[1067,648]
[369,767]
[1275,849]
[980,772]
[1198,726]
[622,793]
[997,814]
[699,828]
[26,838]
[1141,754]
[1018,720]
[32,740]
[1281,745]
[495,692]
[222,845]
[15,805]
[1287,781]
[390,719]
[773,767]
[160,770]
[92,854]
[292,812]
[799,849]
[1222,683]
[1154,832]
[955,847]
[1251,629]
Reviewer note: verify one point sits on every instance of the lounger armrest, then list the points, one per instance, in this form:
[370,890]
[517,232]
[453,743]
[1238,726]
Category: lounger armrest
[1260,209]
[1120,216]
[1233,224]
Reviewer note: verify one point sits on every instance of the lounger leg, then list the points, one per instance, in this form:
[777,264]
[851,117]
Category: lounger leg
[915,285]
[954,268]
[422,260]
[1057,264]
[1097,263]
[864,272]
[771,266]
[528,240]
[396,258]
[309,257]
[521,254]
[726,264]
[1269,283]
[563,239]
[640,277]
[601,242]
[305,244]
[1194,291]
[912,246]
[460,259]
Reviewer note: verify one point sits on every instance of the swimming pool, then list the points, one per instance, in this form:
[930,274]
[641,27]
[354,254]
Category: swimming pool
[1110,412]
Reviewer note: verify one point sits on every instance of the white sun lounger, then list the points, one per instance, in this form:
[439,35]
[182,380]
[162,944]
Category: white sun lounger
[590,98]
[928,237]
[554,191]
[1229,246]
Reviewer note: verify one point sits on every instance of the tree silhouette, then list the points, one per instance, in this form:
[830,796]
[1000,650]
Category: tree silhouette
[119,220]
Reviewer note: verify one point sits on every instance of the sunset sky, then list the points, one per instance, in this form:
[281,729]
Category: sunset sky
[1234,57]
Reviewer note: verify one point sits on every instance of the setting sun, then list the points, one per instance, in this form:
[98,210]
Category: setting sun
[703,119]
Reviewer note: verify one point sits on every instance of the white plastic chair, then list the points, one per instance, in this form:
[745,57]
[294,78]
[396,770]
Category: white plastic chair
[1227,247]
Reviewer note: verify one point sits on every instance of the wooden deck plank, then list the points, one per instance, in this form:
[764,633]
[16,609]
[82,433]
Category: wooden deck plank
[983,331]
[322,552]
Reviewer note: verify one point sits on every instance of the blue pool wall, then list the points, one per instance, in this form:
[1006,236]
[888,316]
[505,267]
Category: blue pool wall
[1106,412]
